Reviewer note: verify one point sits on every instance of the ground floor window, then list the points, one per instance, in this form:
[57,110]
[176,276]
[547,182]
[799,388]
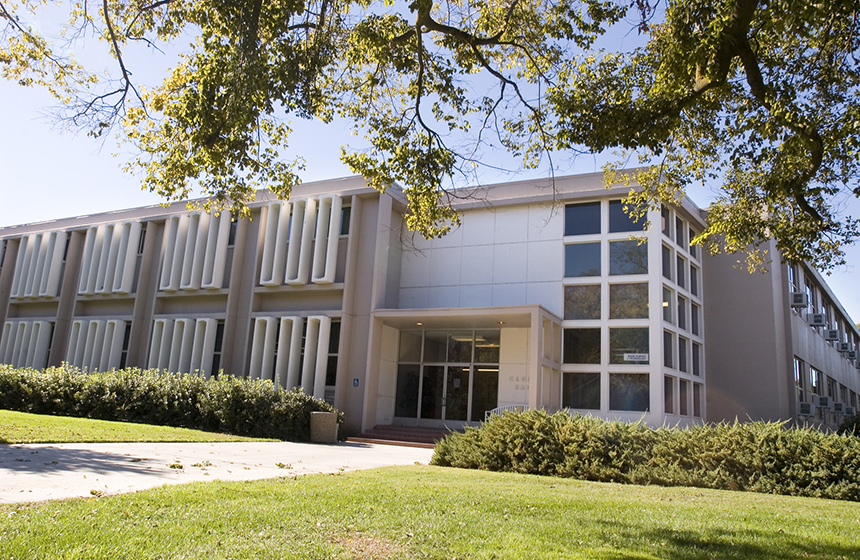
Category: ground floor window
[581,390]
[629,392]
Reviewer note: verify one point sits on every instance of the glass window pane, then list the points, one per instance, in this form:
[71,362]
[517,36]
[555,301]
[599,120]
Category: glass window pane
[665,222]
[582,302]
[668,349]
[667,262]
[334,337]
[694,249]
[410,346]
[697,359]
[431,391]
[460,347]
[681,272]
[629,391]
[628,257]
[628,346]
[694,280]
[582,219]
[582,346]
[694,320]
[485,391]
[487,347]
[669,395]
[683,407]
[628,301]
[682,312]
[682,354]
[679,232]
[581,390]
[668,306]
[619,220]
[331,371]
[435,346]
[406,402]
[582,259]
[697,400]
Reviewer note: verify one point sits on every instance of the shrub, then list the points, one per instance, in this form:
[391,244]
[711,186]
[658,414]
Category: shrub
[228,404]
[755,456]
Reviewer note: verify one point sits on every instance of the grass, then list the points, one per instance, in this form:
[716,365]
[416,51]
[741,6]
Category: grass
[434,513]
[20,427]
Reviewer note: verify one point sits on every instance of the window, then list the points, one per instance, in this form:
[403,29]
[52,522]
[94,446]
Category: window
[620,220]
[216,352]
[669,395]
[628,346]
[683,408]
[681,272]
[345,217]
[435,346]
[792,278]
[853,399]
[410,347]
[488,347]
[126,338]
[843,393]
[679,232]
[831,388]
[668,349]
[683,345]
[234,228]
[581,346]
[694,280]
[333,346]
[667,262]
[627,301]
[815,377]
[581,390]
[694,249]
[694,319]
[629,392]
[682,312]
[582,302]
[582,219]
[668,305]
[697,400]
[666,222]
[628,257]
[582,259]
[140,242]
[799,381]
[697,359]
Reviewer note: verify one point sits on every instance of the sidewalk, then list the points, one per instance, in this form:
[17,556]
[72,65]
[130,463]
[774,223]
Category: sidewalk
[36,472]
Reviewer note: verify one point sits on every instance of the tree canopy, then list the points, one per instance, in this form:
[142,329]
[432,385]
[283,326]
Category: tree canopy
[754,97]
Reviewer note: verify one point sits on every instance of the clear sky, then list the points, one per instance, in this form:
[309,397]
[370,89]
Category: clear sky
[48,173]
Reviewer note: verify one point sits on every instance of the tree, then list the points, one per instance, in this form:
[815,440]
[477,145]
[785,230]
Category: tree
[754,96]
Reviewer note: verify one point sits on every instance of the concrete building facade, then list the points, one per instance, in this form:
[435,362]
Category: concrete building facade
[546,296]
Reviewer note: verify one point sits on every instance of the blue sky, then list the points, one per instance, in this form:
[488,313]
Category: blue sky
[48,173]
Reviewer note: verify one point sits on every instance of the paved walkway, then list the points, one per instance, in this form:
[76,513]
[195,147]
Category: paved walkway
[36,472]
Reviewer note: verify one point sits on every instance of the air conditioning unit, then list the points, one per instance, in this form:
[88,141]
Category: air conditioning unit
[839,408]
[844,347]
[831,334]
[805,409]
[852,355]
[823,402]
[850,411]
[799,299]
[817,320]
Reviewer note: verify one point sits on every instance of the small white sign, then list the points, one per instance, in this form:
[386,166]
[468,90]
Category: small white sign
[635,357]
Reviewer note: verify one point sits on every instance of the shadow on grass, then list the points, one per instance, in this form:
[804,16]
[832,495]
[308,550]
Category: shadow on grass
[718,543]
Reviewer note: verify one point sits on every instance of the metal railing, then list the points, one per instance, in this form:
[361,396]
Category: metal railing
[505,408]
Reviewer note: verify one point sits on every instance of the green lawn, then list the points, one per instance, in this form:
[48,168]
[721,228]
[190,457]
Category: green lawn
[20,427]
[435,513]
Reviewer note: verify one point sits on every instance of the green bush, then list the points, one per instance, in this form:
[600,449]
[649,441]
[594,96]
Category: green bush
[227,404]
[755,456]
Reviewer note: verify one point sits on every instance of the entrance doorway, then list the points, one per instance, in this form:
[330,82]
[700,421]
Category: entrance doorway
[442,393]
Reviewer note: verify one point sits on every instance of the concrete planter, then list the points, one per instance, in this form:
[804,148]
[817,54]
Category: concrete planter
[323,427]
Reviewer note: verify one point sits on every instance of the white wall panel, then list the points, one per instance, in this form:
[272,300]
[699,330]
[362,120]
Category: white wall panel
[301,240]
[203,347]
[327,235]
[275,244]
[212,276]
[126,257]
[289,352]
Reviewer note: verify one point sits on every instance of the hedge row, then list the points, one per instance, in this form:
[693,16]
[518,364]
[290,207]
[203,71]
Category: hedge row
[226,404]
[757,457]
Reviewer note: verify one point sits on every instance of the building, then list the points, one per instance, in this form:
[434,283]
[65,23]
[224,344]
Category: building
[547,296]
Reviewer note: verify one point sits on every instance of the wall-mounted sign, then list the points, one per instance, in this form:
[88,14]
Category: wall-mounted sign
[355,382]
[631,357]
